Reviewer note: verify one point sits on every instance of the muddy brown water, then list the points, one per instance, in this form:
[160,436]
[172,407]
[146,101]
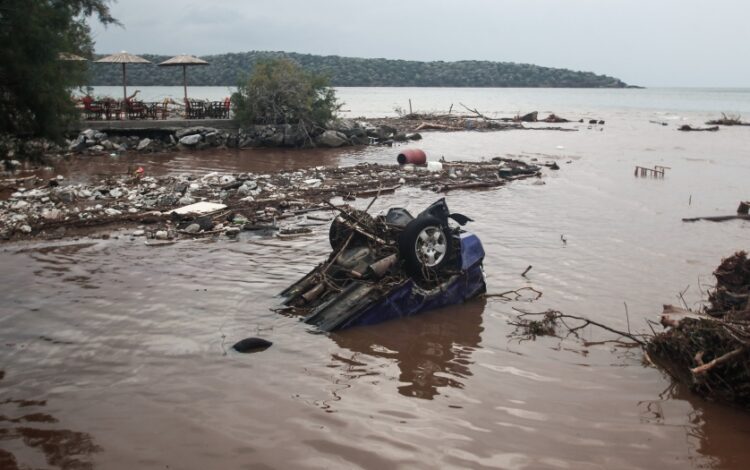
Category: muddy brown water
[116,355]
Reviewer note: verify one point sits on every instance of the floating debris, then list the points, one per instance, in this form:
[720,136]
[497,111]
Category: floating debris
[217,201]
[657,171]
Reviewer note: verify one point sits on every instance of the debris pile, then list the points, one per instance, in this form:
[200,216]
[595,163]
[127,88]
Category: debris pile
[728,120]
[51,208]
[404,126]
[390,266]
[709,350]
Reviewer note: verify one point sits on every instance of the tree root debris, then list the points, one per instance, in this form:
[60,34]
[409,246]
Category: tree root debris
[707,350]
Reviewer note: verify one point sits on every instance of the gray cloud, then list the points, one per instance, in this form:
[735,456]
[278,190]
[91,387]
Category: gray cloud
[649,42]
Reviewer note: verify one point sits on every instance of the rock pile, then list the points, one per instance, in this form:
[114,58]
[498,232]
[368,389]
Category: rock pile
[342,133]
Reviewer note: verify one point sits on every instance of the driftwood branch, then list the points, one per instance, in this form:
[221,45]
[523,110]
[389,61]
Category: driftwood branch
[517,293]
[702,369]
[477,113]
[586,322]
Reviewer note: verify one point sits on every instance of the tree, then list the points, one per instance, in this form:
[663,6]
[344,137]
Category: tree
[35,85]
[280,91]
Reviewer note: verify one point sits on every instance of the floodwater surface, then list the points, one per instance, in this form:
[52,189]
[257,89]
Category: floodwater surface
[117,355]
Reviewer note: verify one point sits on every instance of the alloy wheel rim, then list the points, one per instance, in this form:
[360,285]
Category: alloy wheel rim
[431,246]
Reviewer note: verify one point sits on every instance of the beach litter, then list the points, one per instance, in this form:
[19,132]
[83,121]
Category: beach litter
[215,203]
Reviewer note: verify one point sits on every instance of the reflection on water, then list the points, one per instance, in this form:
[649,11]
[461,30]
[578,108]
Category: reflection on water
[27,432]
[431,353]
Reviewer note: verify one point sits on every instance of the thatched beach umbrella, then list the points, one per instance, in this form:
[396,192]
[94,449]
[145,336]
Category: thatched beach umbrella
[124,58]
[183,60]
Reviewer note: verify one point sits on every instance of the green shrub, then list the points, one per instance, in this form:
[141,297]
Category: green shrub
[35,85]
[279,91]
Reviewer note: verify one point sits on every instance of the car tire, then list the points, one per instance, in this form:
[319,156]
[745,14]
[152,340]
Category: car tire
[424,246]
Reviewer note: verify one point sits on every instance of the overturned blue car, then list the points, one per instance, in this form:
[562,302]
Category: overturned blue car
[390,266]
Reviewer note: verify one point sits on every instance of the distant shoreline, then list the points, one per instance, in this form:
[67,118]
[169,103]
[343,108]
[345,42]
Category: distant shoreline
[228,70]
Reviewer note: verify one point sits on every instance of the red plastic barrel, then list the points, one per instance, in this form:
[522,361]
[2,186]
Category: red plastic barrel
[413,156]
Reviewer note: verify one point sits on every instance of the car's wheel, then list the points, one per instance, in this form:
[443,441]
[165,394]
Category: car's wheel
[424,246]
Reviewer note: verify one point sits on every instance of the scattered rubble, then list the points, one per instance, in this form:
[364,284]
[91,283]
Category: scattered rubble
[217,203]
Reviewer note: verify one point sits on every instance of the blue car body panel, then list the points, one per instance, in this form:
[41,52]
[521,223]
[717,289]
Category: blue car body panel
[407,298]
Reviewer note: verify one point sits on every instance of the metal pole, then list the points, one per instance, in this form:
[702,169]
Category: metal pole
[184,79]
[124,91]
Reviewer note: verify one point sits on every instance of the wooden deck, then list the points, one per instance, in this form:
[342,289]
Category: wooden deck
[155,125]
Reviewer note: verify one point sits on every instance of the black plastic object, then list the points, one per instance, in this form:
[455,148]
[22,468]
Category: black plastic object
[461,219]
[251,345]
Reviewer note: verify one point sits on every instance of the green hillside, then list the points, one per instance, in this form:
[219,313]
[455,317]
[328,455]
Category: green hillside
[227,69]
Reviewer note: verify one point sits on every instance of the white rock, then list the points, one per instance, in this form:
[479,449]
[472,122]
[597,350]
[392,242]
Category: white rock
[115,193]
[143,144]
[161,235]
[200,208]
[331,139]
[139,233]
[25,228]
[193,228]
[51,214]
[111,212]
[191,140]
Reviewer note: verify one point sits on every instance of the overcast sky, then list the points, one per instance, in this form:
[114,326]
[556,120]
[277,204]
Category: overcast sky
[643,42]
